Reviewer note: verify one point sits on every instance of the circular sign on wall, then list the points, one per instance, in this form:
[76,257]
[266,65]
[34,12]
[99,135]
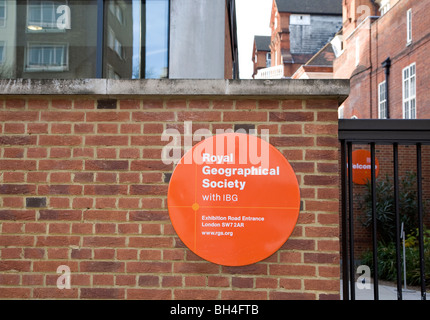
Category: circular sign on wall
[233,199]
[361,166]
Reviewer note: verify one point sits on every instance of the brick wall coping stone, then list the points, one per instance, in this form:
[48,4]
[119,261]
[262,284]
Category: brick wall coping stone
[333,88]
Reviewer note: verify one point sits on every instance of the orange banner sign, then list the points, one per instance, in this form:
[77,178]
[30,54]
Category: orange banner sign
[361,166]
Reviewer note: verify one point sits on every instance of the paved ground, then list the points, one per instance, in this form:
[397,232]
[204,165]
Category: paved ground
[387,291]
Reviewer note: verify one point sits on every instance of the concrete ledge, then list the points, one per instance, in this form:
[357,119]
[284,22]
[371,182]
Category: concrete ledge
[52,87]
[335,88]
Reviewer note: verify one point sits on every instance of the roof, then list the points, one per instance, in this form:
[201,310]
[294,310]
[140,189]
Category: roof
[326,7]
[262,43]
[324,57]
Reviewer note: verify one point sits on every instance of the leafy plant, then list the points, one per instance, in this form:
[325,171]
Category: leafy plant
[387,269]
[386,228]
[385,210]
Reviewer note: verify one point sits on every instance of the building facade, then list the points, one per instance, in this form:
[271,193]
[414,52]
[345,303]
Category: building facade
[118,39]
[261,55]
[384,52]
[320,66]
[299,30]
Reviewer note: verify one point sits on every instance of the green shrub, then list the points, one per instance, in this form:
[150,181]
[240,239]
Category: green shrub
[386,229]
[385,211]
[387,260]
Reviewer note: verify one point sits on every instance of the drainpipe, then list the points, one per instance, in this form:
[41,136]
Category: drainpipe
[386,64]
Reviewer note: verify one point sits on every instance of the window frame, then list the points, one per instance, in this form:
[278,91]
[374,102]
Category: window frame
[4,18]
[268,59]
[48,68]
[409,27]
[382,103]
[41,23]
[45,14]
[409,111]
[114,44]
[384,7]
[116,10]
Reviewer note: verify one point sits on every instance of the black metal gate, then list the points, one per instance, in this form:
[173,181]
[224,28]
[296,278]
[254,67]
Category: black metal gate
[391,133]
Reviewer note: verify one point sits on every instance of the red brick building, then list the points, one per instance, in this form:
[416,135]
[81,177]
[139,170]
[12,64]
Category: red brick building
[299,29]
[384,53]
[383,50]
[261,53]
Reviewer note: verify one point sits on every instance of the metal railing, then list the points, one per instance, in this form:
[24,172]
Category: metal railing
[379,132]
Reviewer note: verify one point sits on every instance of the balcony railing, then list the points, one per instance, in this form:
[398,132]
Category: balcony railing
[276,72]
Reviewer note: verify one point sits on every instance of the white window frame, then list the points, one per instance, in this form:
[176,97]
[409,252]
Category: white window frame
[409,26]
[268,59]
[384,9]
[382,100]
[384,6]
[117,11]
[3,3]
[114,44]
[41,23]
[51,26]
[118,48]
[409,101]
[47,68]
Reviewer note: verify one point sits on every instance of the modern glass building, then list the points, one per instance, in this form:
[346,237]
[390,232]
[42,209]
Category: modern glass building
[117,39]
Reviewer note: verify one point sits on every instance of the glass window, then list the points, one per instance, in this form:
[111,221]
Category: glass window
[384,9]
[120,38]
[57,39]
[136,39]
[2,13]
[409,92]
[382,100]
[157,38]
[41,14]
[409,26]
[47,57]
[75,39]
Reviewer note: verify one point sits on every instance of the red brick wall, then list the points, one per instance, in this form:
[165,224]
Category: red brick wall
[85,187]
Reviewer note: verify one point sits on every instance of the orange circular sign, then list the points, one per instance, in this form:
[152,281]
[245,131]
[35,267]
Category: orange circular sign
[233,199]
[361,166]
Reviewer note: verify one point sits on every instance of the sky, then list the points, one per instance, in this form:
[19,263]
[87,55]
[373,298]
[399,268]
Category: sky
[253,18]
